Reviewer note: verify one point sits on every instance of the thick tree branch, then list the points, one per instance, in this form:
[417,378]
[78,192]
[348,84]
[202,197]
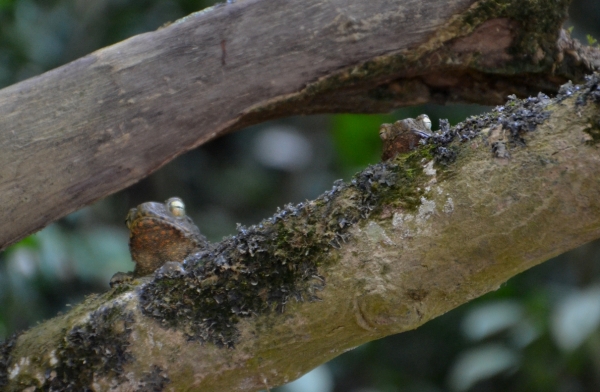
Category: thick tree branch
[406,241]
[101,123]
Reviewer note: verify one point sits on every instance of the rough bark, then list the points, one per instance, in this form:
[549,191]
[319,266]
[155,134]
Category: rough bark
[405,241]
[101,123]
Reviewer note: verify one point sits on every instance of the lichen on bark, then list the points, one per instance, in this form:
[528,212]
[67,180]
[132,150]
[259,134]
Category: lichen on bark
[425,232]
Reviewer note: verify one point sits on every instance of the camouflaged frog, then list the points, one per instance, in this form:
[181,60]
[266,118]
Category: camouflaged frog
[404,135]
[159,233]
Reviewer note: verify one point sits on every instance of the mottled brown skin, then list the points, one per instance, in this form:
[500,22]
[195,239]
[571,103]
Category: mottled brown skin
[403,135]
[158,235]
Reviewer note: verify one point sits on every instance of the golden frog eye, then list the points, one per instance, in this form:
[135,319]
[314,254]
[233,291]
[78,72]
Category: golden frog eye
[426,120]
[385,131]
[130,217]
[176,206]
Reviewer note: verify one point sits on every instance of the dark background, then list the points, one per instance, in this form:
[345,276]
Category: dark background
[538,332]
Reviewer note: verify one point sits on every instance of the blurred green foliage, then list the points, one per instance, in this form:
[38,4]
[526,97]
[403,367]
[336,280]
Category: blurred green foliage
[6,4]
[356,138]
[507,340]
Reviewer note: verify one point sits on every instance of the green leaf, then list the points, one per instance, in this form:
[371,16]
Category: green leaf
[591,40]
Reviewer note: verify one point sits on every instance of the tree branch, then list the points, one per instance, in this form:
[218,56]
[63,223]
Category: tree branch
[103,122]
[405,241]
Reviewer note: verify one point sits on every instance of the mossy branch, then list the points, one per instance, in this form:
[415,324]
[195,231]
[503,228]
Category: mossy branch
[103,122]
[405,241]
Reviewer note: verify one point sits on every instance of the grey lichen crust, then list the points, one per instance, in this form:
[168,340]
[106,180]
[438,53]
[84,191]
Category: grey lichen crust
[6,348]
[264,266]
[155,380]
[98,346]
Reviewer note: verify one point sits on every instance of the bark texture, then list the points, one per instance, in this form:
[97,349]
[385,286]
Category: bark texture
[405,241]
[96,125]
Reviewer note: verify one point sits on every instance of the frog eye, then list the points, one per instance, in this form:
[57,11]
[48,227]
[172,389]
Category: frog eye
[176,206]
[426,120]
[384,131]
[130,217]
